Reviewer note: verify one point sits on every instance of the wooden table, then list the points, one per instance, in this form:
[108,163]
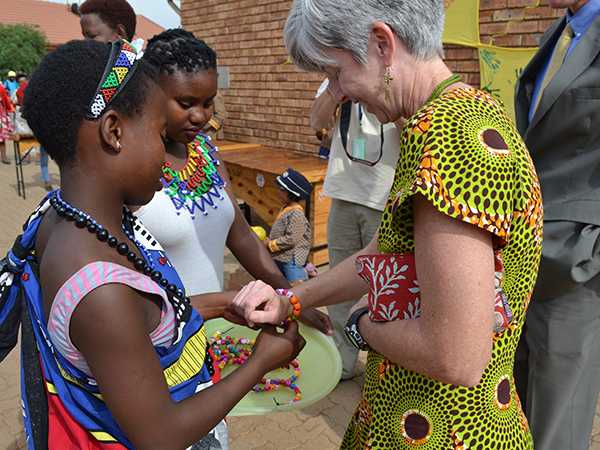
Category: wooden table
[253,171]
[226,146]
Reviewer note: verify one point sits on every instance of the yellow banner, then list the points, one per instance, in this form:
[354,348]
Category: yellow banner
[500,68]
[462,22]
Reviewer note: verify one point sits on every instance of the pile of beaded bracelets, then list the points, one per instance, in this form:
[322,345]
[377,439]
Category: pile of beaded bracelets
[294,300]
[228,351]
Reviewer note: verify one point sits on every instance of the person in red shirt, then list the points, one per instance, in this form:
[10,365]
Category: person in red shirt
[22,79]
[6,124]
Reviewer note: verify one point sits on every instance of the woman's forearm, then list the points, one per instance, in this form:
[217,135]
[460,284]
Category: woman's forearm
[340,284]
[337,285]
[410,344]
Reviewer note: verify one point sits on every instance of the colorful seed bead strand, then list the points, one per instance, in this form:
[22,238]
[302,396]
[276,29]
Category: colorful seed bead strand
[294,301]
[227,350]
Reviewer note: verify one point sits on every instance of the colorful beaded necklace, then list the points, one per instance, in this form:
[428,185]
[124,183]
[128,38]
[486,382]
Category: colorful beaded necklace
[198,185]
[227,350]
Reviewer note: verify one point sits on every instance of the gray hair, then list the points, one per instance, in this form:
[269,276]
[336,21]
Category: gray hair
[313,26]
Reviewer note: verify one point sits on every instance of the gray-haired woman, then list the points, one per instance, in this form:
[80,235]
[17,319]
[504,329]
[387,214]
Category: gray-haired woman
[464,218]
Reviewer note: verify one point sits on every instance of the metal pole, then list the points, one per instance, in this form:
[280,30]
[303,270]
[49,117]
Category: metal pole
[174,7]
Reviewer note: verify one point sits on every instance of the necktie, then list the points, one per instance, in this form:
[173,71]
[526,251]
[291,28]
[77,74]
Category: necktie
[558,57]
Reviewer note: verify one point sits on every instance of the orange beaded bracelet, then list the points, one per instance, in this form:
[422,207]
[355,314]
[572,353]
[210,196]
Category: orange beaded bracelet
[294,301]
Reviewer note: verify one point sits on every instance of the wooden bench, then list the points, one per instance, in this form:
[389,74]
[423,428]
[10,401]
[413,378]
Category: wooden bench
[253,169]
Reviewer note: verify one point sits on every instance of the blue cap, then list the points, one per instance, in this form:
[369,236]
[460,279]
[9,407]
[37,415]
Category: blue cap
[296,183]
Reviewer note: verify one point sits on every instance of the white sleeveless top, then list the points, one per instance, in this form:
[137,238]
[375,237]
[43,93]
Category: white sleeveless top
[195,244]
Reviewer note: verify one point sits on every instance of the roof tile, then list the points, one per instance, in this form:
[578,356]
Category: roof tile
[57,21]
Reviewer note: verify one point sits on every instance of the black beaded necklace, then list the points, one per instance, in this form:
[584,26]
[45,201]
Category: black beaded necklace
[83,220]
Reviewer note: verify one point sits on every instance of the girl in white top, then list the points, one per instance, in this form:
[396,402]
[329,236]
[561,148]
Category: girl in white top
[195,215]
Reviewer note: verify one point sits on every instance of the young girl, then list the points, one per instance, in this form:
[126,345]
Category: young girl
[290,239]
[196,214]
[122,353]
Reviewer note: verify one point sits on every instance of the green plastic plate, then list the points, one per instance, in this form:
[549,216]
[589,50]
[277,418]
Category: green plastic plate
[320,365]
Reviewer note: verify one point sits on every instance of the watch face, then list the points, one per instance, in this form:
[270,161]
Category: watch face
[354,336]
[352,332]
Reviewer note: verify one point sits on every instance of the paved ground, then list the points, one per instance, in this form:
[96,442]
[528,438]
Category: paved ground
[319,427]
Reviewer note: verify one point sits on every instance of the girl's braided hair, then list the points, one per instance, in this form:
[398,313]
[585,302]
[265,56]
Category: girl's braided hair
[179,50]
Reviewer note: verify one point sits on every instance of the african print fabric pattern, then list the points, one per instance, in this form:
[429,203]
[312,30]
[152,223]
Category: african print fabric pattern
[463,154]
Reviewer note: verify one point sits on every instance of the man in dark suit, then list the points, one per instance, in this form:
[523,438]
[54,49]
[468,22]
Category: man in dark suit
[558,114]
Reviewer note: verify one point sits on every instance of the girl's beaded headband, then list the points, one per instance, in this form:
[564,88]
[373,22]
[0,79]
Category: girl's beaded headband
[119,70]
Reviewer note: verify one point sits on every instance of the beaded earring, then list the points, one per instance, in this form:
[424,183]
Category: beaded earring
[387,80]
[119,146]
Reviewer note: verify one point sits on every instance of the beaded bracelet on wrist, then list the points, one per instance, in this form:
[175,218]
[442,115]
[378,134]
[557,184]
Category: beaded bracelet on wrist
[294,301]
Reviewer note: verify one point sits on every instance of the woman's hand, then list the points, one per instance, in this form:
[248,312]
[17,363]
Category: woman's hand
[318,320]
[274,350]
[258,303]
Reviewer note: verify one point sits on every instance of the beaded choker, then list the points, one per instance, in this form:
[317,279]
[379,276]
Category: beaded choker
[198,185]
[440,88]
[226,350]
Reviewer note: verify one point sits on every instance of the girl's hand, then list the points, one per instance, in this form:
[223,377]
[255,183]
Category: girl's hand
[274,350]
[318,320]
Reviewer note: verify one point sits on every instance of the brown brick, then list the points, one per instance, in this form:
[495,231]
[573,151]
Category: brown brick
[539,12]
[492,4]
[269,101]
[521,3]
[524,26]
[502,15]
[531,40]
[486,16]
[509,40]
[545,24]
[494,28]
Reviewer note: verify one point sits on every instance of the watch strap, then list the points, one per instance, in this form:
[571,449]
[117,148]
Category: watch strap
[353,333]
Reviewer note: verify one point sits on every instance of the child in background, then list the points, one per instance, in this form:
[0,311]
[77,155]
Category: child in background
[290,237]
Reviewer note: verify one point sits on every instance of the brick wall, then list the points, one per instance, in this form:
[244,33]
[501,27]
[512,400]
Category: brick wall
[268,101]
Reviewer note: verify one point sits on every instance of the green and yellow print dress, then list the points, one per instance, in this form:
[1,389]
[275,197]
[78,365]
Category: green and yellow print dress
[461,152]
